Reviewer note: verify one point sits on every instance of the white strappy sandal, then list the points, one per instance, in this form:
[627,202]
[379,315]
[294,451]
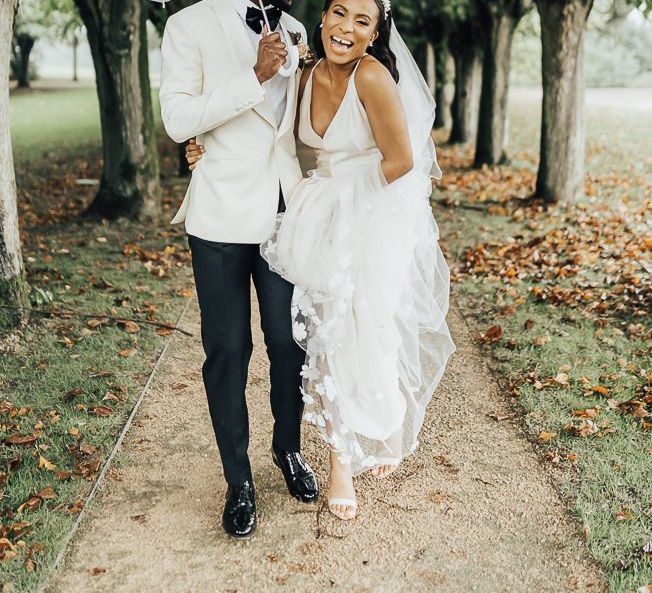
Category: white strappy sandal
[349,503]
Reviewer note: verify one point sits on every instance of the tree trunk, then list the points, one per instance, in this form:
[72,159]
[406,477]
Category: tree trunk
[75,48]
[445,87]
[13,288]
[440,100]
[431,71]
[24,45]
[130,178]
[467,53]
[561,166]
[499,20]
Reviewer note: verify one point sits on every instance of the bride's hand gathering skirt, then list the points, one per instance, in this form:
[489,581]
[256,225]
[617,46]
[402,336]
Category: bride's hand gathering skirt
[369,306]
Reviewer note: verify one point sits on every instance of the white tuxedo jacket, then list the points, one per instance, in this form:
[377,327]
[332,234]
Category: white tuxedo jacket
[209,90]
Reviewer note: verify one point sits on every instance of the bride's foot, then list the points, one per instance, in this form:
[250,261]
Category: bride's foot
[382,471]
[341,494]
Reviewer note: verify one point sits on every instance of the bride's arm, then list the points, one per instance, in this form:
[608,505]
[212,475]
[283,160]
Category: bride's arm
[380,96]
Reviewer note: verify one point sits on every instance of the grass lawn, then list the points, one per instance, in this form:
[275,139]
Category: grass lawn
[67,384]
[561,298]
[50,120]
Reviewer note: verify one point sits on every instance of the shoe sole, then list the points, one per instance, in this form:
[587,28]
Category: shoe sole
[239,537]
[277,464]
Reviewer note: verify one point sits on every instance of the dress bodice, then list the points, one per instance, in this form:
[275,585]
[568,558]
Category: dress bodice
[348,143]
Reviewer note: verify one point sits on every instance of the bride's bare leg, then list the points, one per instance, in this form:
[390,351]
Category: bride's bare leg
[341,493]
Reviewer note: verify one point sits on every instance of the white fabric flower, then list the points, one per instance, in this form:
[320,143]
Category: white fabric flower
[299,330]
[309,417]
[303,302]
[309,372]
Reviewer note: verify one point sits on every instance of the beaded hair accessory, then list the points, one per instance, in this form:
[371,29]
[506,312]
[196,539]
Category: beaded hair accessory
[387,6]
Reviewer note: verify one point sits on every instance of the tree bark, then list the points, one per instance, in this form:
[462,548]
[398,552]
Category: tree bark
[130,177]
[23,44]
[561,166]
[444,89]
[466,50]
[499,21]
[13,287]
[431,71]
[75,48]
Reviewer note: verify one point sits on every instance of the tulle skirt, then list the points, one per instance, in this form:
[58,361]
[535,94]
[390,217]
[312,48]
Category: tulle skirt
[369,307]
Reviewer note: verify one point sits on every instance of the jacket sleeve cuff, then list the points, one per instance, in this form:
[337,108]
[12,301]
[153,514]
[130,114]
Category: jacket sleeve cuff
[250,91]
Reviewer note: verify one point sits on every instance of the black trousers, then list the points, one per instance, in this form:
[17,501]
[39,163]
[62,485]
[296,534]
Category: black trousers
[223,274]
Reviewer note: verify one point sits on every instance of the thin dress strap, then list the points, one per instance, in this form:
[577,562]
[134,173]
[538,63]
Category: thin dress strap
[310,77]
[315,66]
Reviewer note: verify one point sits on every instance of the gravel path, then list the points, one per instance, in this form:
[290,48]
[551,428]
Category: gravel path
[471,510]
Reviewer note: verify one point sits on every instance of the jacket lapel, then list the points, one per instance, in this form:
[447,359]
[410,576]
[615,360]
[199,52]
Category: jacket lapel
[233,26]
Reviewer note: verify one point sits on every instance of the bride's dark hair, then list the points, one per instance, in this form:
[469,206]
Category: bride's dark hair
[380,48]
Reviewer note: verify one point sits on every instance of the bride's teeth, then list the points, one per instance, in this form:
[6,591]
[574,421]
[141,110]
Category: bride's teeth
[343,42]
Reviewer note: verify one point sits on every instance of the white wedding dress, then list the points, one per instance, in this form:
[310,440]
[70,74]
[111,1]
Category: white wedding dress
[371,291]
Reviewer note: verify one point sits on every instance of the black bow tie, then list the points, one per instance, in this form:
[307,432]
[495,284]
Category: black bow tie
[255,18]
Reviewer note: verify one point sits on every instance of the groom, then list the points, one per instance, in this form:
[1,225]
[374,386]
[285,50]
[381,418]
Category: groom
[220,82]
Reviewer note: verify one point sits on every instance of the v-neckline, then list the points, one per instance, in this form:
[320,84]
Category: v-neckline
[339,108]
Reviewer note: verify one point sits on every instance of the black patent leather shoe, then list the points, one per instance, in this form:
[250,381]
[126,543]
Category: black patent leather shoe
[299,477]
[239,516]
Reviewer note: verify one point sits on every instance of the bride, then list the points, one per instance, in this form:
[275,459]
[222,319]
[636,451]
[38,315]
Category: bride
[359,242]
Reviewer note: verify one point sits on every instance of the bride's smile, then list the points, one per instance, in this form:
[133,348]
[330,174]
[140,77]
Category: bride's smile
[348,30]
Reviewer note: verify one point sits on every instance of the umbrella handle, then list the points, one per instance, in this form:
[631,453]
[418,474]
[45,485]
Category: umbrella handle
[293,59]
[293,51]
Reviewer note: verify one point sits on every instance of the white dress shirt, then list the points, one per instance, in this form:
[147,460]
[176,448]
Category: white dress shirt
[276,87]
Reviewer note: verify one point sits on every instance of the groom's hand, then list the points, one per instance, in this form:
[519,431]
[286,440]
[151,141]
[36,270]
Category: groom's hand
[272,54]
[194,152]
